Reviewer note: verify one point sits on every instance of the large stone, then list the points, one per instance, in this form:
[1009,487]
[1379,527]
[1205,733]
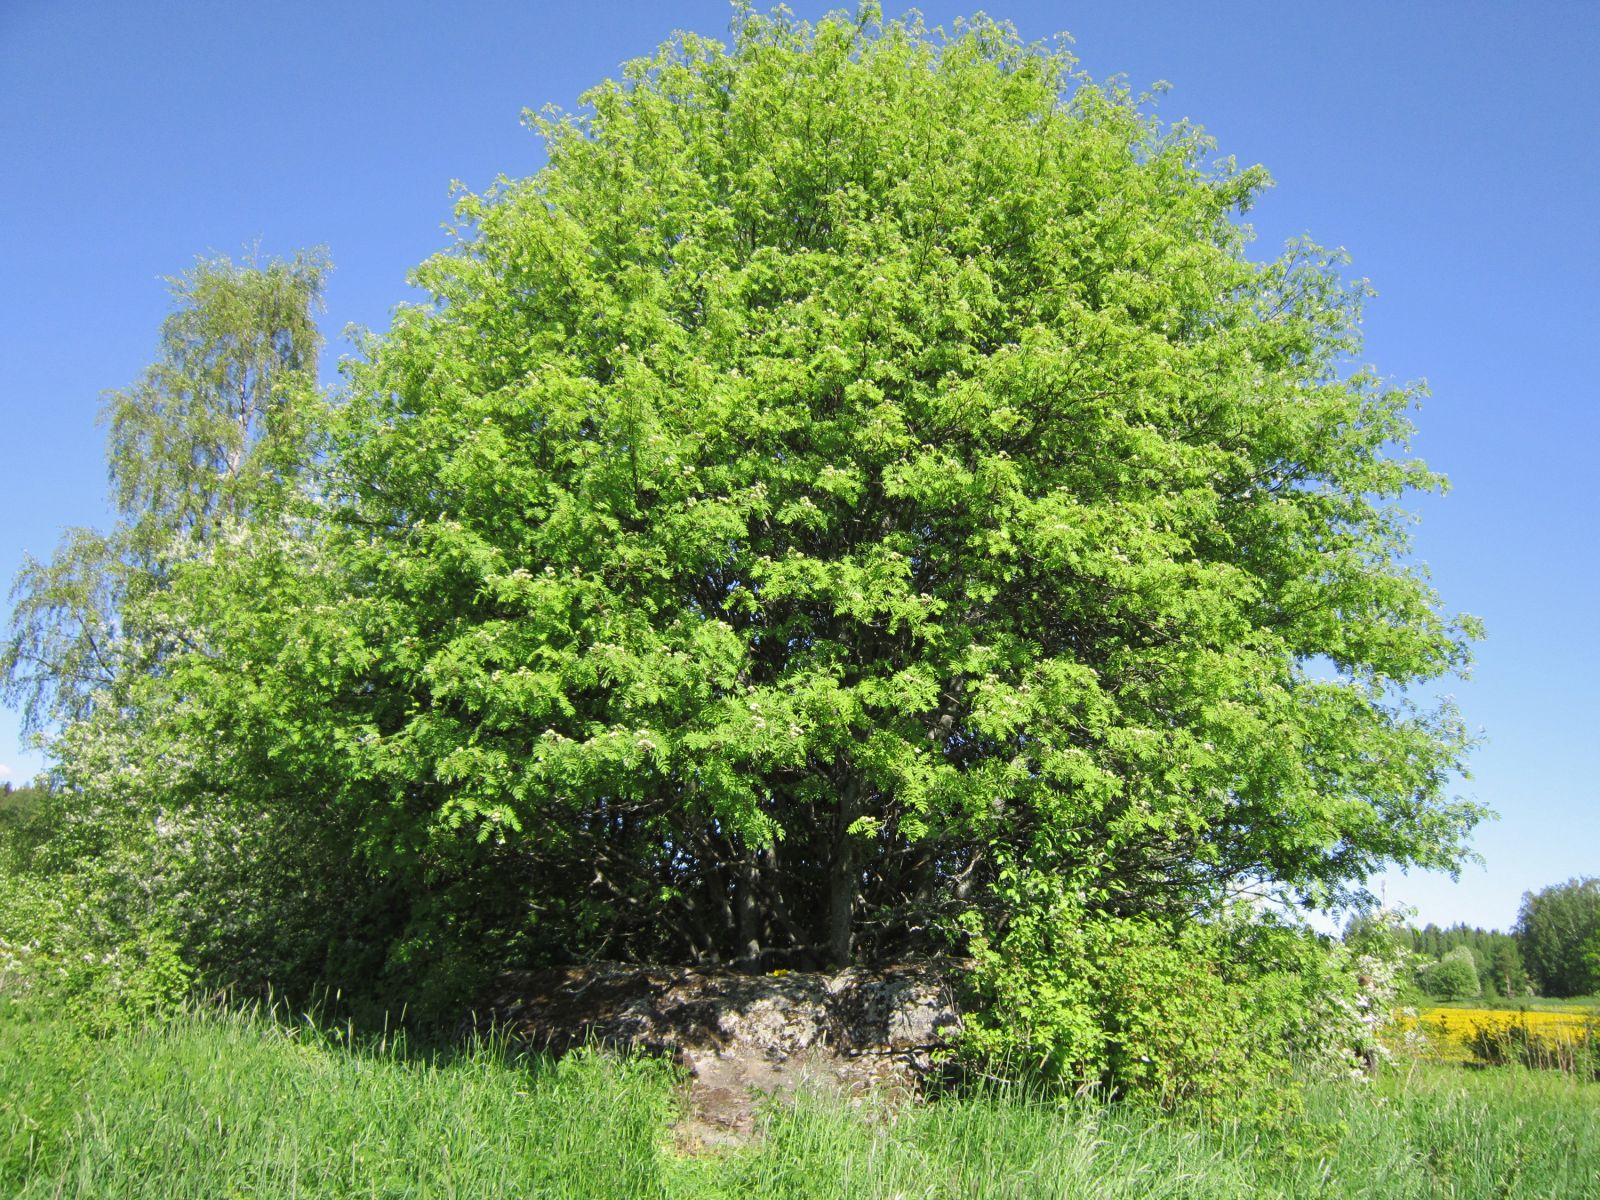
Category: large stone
[741,1036]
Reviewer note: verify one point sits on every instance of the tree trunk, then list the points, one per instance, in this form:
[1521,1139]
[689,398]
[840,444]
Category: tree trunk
[843,878]
[745,904]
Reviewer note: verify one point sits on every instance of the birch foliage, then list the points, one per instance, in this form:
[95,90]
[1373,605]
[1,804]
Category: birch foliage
[207,455]
[215,432]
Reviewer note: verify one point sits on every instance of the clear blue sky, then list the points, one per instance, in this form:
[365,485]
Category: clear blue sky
[1449,147]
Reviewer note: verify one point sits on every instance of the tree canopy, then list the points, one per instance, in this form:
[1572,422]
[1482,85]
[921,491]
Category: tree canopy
[861,476]
[1453,977]
[219,423]
[860,498]
[1558,930]
[134,847]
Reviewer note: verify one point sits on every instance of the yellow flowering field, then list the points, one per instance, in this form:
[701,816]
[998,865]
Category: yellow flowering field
[1451,1032]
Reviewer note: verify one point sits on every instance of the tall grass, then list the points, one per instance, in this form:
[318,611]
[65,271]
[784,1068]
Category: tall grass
[237,1104]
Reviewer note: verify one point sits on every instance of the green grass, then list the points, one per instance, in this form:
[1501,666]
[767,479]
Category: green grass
[236,1105]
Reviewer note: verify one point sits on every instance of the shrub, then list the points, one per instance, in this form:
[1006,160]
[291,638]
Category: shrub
[84,916]
[1453,977]
[1214,1016]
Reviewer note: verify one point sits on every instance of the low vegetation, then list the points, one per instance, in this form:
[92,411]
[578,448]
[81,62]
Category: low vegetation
[213,1104]
[1552,1039]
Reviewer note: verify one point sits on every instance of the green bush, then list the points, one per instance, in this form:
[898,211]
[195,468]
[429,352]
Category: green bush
[55,940]
[1453,977]
[1215,1015]
[766,514]
[85,916]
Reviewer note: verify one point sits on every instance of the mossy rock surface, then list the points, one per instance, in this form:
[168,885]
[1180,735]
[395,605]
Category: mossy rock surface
[743,1036]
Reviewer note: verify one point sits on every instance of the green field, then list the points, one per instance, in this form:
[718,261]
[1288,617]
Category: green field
[1575,1004]
[231,1105]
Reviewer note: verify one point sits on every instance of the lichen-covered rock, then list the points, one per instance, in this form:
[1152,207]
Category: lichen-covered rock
[739,1035]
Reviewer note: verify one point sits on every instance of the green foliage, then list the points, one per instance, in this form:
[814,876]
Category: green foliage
[23,823]
[1558,930]
[1506,975]
[81,922]
[106,903]
[225,417]
[211,434]
[1496,955]
[1177,1028]
[1216,1017]
[773,531]
[859,497]
[1453,977]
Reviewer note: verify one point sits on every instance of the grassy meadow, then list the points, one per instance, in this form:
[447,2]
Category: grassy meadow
[228,1104]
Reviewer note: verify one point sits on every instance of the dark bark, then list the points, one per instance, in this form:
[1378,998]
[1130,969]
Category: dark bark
[844,882]
[745,904]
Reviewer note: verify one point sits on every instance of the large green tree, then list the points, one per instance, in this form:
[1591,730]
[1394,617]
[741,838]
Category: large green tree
[860,494]
[862,483]
[1558,931]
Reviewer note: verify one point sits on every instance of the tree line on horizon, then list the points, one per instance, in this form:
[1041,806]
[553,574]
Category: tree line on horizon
[1552,949]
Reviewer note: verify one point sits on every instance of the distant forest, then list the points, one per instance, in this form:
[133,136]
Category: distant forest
[1495,961]
[1553,949]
